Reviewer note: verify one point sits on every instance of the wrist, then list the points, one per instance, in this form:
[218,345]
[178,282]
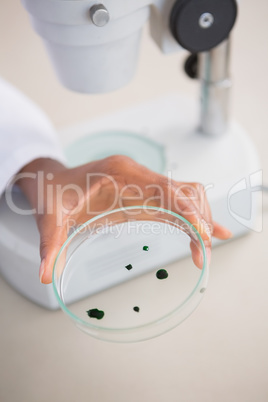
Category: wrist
[34,172]
[45,165]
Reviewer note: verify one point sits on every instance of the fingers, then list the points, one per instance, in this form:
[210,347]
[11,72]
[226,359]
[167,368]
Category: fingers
[189,202]
[197,255]
[190,208]
[221,232]
[195,208]
[51,240]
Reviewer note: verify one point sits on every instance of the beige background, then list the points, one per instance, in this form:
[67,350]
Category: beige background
[220,353]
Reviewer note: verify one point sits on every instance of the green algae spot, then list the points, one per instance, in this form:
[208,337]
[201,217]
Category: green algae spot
[95,313]
[161,274]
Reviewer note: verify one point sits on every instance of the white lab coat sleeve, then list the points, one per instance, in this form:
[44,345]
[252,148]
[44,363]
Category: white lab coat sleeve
[25,134]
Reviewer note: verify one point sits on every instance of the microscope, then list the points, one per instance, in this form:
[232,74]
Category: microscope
[94,49]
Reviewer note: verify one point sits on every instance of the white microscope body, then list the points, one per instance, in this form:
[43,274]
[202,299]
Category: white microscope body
[94,48]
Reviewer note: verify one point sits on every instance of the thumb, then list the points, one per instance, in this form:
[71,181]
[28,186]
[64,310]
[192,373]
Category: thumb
[52,238]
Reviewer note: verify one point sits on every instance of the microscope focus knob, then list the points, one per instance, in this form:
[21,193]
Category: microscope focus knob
[200,25]
[99,15]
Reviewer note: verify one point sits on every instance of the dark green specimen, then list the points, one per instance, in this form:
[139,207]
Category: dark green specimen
[161,274]
[95,313]
[136,308]
[128,267]
[146,248]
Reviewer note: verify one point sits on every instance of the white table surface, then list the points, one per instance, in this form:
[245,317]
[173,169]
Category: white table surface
[221,352]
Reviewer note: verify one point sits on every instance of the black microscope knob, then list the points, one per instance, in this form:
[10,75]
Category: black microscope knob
[200,25]
[191,65]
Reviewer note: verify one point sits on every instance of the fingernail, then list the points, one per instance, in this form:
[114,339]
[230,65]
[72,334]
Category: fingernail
[42,270]
[229,234]
[208,253]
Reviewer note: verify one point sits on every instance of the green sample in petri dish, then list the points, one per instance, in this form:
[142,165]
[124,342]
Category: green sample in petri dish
[161,274]
[128,267]
[136,308]
[145,248]
[95,313]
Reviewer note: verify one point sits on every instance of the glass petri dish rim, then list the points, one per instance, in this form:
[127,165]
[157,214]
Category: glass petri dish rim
[151,323]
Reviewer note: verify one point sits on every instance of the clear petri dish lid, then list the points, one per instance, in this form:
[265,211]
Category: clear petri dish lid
[127,275]
[102,144]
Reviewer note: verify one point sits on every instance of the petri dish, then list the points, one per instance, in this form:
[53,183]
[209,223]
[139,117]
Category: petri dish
[127,275]
[101,144]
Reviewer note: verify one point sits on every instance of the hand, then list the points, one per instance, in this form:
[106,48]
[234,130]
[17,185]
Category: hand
[72,196]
